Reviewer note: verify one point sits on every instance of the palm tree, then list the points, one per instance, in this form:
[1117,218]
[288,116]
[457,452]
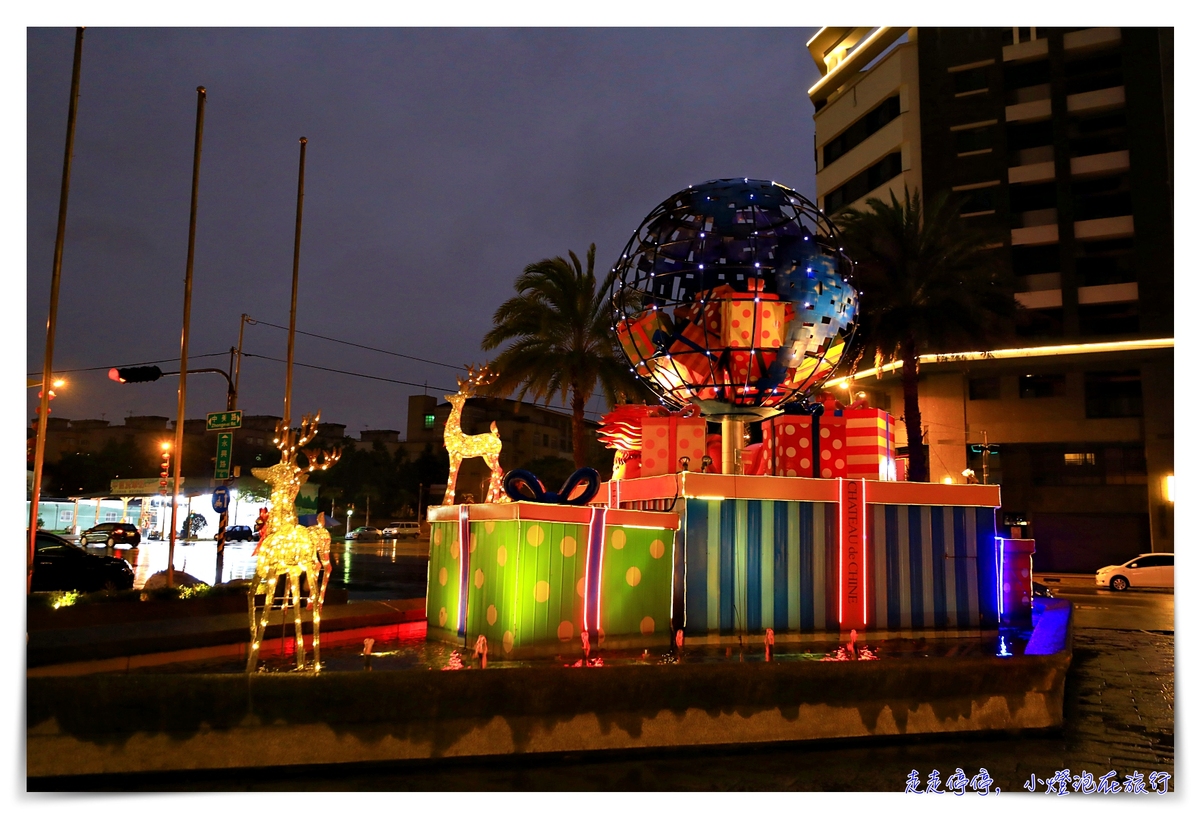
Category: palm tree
[563,343]
[929,282]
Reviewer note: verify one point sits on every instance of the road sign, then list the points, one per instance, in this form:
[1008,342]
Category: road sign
[223,420]
[220,499]
[224,454]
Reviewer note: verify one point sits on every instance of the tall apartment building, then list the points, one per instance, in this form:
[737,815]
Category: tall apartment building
[1059,141]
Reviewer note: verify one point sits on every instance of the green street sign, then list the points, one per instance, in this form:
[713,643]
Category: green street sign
[223,420]
[224,454]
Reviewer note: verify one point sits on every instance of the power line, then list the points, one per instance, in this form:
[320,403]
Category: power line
[377,377]
[352,344]
[341,371]
[120,366]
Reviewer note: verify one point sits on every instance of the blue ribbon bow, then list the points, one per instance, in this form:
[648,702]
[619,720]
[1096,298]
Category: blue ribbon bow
[579,489]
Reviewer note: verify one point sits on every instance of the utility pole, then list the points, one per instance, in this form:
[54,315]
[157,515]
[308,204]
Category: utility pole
[201,98]
[39,448]
[291,350]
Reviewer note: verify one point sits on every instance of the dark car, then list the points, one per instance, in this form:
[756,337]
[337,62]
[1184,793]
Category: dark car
[112,534]
[239,533]
[60,566]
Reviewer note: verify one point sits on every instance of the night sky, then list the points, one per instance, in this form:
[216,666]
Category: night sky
[440,162]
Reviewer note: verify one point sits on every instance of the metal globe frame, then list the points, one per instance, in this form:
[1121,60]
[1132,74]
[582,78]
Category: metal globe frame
[733,240]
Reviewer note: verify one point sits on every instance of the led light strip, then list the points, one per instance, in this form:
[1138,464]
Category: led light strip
[464,539]
[1020,352]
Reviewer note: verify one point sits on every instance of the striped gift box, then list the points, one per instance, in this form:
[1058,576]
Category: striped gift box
[931,567]
[763,552]
[869,437]
[757,564]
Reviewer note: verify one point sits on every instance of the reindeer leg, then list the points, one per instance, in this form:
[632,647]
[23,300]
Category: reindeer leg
[493,462]
[316,601]
[455,462]
[267,584]
[283,607]
[294,584]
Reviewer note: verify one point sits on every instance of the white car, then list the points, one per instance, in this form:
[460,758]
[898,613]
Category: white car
[395,531]
[1143,571]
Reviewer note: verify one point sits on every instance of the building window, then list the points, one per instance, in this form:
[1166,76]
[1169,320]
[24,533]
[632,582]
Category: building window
[1105,262]
[1109,319]
[974,140]
[1086,464]
[975,79]
[546,441]
[858,186]
[981,200]
[1113,394]
[876,118]
[1043,386]
[429,419]
[984,388]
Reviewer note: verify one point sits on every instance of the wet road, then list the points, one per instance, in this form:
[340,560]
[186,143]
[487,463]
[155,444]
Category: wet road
[1121,610]
[393,569]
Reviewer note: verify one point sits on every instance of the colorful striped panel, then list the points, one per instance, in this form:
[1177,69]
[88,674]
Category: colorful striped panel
[757,564]
[932,567]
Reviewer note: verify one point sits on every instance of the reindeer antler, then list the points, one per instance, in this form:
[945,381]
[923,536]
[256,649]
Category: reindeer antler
[290,442]
[321,458]
[475,379]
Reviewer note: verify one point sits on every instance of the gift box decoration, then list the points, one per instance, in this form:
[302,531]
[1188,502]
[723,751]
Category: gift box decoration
[854,443]
[870,441]
[748,322]
[525,575]
[640,338]
[666,439]
[787,449]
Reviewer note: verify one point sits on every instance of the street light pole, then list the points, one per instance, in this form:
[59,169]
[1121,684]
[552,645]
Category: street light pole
[201,98]
[39,448]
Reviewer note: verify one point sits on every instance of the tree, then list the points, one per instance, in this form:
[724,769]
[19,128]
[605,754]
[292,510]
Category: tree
[928,282]
[562,340]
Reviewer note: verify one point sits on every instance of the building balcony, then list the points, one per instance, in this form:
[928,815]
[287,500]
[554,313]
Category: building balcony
[1028,111]
[1031,50]
[1116,227]
[1040,299]
[1109,293]
[1037,172]
[1091,38]
[1100,164]
[1042,234]
[1094,102]
[1039,282]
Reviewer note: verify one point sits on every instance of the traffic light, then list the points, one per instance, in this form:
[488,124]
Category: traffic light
[165,468]
[135,374]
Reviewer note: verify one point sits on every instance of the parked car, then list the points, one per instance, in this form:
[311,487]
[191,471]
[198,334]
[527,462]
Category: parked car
[365,533]
[395,531]
[61,566]
[1043,591]
[112,534]
[239,533]
[1143,571]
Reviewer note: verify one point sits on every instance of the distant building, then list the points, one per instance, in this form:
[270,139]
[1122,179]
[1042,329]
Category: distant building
[1060,140]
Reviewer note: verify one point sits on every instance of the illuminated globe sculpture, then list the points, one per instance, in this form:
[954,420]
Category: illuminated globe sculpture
[734,296]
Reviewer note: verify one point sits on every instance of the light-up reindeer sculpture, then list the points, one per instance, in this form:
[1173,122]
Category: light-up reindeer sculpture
[288,549]
[462,446]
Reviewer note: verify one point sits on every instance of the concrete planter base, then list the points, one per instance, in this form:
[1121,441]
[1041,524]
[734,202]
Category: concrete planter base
[134,723]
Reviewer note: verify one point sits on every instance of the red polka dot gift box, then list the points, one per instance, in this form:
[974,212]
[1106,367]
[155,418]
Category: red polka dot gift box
[854,443]
[666,439]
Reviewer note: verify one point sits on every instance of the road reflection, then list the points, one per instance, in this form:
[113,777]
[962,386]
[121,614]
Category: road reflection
[369,570]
